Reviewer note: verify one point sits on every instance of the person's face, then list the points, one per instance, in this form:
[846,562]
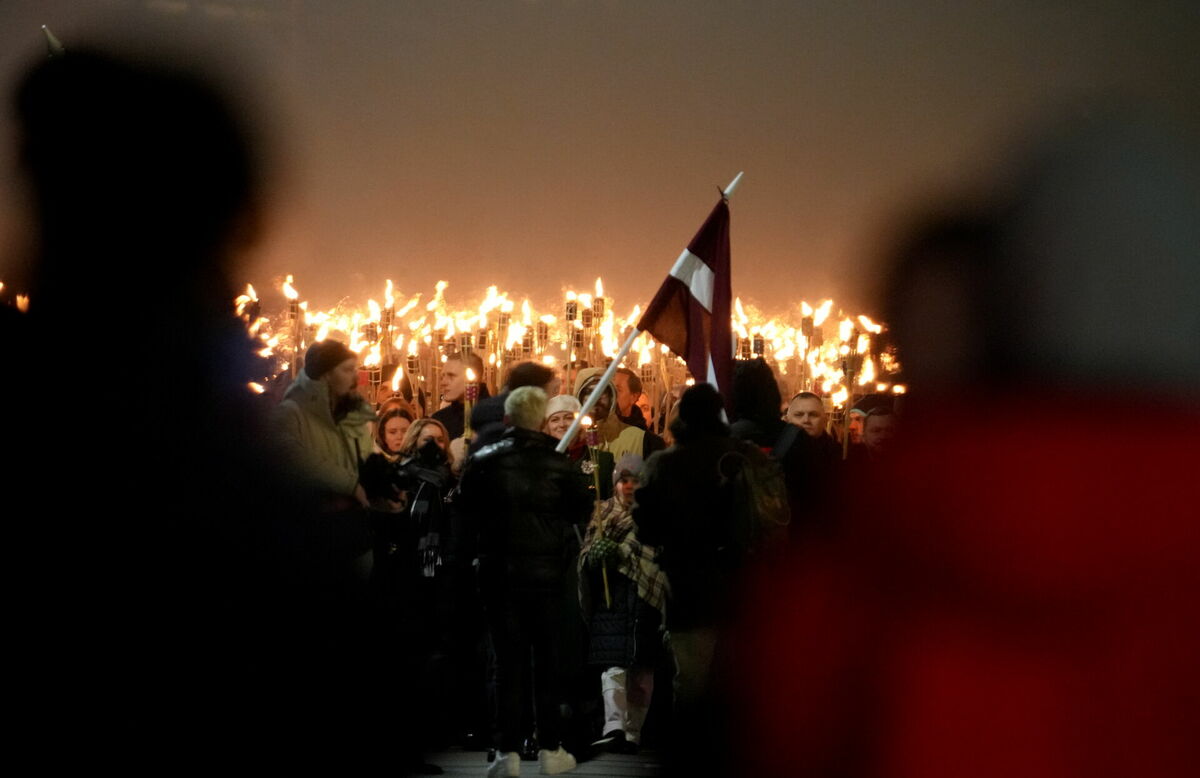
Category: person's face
[432,432]
[808,414]
[643,402]
[602,407]
[877,433]
[343,379]
[625,489]
[454,380]
[558,423]
[393,432]
[856,426]
[625,397]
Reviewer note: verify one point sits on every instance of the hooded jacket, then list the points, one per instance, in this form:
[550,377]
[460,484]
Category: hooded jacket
[616,437]
[324,454]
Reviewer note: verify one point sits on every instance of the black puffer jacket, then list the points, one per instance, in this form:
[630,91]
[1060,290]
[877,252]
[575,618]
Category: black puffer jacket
[521,498]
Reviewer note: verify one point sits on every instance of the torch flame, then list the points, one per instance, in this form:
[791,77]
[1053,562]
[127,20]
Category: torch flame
[869,325]
[388,298]
[397,378]
[289,291]
[822,313]
[599,287]
[470,375]
[257,388]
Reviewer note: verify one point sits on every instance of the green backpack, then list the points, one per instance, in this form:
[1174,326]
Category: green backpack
[758,495]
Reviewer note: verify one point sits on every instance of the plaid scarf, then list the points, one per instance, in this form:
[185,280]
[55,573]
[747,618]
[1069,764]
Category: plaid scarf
[635,560]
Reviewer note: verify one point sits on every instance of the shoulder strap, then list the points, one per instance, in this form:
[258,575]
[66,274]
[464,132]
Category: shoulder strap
[784,443]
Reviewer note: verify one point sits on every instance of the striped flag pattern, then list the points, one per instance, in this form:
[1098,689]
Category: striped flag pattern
[690,313]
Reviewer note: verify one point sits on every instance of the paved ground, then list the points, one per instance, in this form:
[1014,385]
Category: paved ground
[473,763]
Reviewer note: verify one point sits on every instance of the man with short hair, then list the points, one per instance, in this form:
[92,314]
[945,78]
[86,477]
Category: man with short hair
[807,411]
[520,498]
[879,427]
[454,390]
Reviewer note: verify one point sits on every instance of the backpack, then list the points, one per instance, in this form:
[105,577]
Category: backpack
[758,495]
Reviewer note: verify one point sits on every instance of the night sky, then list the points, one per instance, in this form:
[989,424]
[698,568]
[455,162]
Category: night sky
[537,144]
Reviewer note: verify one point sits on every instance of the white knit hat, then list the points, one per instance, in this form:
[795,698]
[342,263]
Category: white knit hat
[562,402]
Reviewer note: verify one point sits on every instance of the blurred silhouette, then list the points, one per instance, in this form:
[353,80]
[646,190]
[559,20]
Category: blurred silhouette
[1015,595]
[157,601]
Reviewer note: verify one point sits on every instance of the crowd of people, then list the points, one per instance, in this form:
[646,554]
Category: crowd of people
[324,581]
[539,595]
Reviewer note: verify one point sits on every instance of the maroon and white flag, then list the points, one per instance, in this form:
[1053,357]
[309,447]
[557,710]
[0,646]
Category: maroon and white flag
[690,313]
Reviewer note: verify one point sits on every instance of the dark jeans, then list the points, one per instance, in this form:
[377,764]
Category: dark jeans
[525,626]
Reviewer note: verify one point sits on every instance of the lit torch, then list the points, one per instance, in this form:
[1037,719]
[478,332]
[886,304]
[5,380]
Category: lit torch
[470,395]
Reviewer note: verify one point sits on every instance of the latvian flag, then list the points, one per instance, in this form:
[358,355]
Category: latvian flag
[690,313]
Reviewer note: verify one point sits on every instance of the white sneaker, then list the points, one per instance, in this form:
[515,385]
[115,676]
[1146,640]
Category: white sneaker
[555,762]
[506,765]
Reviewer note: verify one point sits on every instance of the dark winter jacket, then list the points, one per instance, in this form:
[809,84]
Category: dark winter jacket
[682,508]
[521,498]
[453,416]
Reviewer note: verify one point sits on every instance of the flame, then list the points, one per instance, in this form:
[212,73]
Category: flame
[822,313]
[881,387]
[439,297]
[899,389]
[373,357]
[397,379]
[470,376]
[868,371]
[840,397]
[817,359]
[869,325]
[408,306]
[516,334]
[586,421]
[23,303]
[255,387]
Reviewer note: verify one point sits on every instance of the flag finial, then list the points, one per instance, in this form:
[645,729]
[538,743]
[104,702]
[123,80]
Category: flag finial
[727,192]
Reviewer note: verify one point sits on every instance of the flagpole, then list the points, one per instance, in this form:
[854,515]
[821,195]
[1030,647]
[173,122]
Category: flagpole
[726,193]
[595,395]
